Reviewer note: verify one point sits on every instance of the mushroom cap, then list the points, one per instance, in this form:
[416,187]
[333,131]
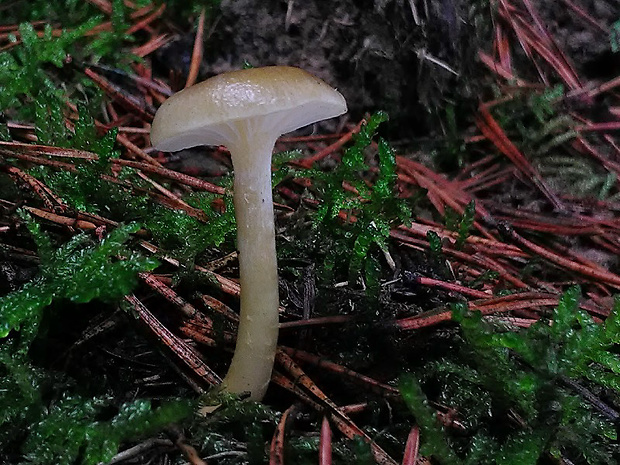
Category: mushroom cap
[269,101]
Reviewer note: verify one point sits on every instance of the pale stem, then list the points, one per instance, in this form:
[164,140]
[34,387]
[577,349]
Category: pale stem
[250,369]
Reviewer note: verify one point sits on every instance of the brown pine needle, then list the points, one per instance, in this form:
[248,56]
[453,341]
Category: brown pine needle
[197,51]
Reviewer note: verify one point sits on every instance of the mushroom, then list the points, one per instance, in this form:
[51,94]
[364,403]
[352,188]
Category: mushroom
[246,111]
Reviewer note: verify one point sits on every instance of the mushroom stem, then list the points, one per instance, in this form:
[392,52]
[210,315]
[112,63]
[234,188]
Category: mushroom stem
[247,110]
[257,336]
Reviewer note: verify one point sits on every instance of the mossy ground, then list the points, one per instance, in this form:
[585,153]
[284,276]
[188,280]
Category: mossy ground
[446,270]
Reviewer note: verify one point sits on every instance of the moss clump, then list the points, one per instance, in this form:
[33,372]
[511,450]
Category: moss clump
[77,271]
[541,128]
[28,71]
[460,223]
[523,396]
[186,236]
[372,211]
[43,417]
[73,430]
[236,429]
[87,189]
[43,420]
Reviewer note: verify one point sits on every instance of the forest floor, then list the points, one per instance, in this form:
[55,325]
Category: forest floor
[447,276]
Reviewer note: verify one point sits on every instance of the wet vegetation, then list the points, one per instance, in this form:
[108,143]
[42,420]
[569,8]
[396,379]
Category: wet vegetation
[450,303]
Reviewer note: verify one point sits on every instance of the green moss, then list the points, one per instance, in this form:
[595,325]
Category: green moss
[21,394]
[460,223]
[30,87]
[435,443]
[45,417]
[23,69]
[40,412]
[181,10]
[234,425]
[71,429]
[87,190]
[185,236]
[376,209]
[304,450]
[520,394]
[78,271]
[614,37]
[539,126]
[71,12]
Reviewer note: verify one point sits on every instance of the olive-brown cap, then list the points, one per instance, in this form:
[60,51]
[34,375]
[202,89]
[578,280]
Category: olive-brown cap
[272,100]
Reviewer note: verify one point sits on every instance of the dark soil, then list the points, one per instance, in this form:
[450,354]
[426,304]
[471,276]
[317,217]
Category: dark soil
[408,58]
[374,52]
[585,41]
